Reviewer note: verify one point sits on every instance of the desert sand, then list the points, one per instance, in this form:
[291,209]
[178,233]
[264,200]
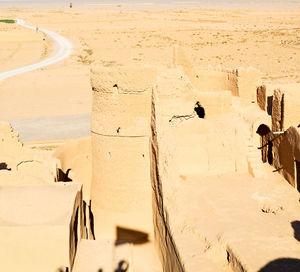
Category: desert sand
[20,46]
[265,38]
[168,141]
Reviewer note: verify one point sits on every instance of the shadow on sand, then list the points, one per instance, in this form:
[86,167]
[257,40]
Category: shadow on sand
[285,264]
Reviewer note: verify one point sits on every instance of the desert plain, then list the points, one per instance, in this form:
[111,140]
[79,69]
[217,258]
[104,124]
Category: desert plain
[266,38]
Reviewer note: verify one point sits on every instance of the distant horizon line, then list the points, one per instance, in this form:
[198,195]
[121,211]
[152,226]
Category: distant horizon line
[153,3]
[145,1]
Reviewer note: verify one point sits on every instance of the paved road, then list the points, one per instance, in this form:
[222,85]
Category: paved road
[49,128]
[52,128]
[62,49]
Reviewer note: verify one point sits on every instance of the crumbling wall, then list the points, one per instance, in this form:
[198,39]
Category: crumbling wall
[261,97]
[178,151]
[277,124]
[291,105]
[9,138]
[214,80]
[278,111]
[241,82]
[284,113]
[75,157]
[283,103]
[215,103]
[203,79]
[285,159]
[210,134]
[248,81]
[31,166]
[168,252]
[287,153]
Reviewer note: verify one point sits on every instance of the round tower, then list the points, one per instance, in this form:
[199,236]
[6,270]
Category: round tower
[121,192]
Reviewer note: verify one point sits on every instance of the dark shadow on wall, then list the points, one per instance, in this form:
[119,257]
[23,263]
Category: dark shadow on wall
[75,229]
[297,173]
[282,265]
[92,227]
[62,176]
[122,266]
[131,236]
[296,227]
[62,269]
[285,264]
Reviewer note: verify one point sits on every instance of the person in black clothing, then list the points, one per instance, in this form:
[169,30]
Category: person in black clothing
[199,110]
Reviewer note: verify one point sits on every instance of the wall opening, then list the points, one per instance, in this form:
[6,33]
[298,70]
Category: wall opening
[266,145]
[270,152]
[125,235]
[199,110]
[269,104]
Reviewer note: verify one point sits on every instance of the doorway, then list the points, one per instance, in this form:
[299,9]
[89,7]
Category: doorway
[266,145]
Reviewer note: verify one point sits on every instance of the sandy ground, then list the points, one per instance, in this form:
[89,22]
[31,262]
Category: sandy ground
[266,38]
[21,46]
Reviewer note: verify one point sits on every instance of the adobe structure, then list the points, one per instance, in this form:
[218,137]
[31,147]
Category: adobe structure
[204,164]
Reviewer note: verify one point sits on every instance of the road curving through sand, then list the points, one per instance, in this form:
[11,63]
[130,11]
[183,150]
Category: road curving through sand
[62,50]
[41,129]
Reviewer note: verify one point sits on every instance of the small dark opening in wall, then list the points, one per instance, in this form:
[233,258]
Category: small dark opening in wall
[131,236]
[199,110]
[269,104]
[115,86]
[270,152]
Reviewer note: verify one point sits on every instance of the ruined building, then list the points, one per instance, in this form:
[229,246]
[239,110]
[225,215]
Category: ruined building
[202,163]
